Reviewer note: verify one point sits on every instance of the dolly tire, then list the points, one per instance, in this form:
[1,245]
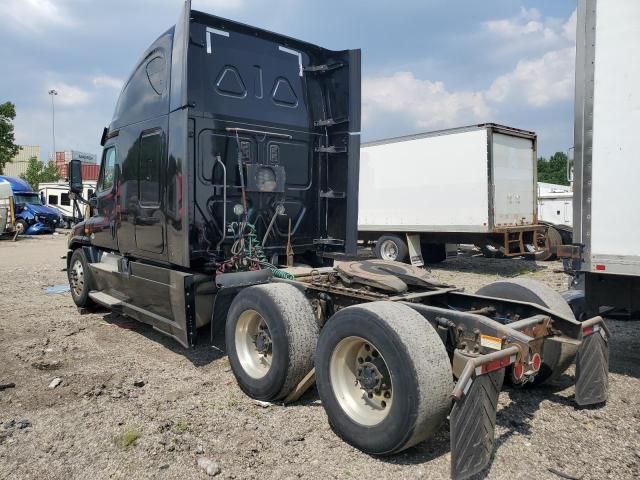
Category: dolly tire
[415,365]
[281,315]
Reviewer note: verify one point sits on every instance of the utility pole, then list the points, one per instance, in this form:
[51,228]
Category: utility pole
[53,93]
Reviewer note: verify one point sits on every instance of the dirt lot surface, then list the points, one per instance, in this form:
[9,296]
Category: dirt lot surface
[132,404]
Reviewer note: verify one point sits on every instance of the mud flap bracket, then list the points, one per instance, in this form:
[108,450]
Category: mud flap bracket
[472,425]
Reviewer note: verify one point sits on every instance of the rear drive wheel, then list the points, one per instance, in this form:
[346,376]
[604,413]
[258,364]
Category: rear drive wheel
[391,247]
[271,335]
[556,358]
[383,376]
[80,279]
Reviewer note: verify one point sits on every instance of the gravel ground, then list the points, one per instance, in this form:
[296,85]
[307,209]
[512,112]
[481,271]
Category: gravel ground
[133,404]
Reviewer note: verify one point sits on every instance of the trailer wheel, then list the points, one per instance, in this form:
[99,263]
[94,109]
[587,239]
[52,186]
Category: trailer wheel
[545,244]
[271,335]
[532,291]
[391,247]
[383,376]
[434,252]
[80,279]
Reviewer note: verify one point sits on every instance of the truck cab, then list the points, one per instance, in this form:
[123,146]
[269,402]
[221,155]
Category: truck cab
[31,216]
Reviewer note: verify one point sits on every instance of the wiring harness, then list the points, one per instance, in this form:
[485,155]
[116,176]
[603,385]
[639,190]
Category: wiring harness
[247,253]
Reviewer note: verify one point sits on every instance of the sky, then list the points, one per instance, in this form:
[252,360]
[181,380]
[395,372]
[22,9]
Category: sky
[426,64]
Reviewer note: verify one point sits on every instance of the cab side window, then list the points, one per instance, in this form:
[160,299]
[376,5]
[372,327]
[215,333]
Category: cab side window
[108,169]
[149,168]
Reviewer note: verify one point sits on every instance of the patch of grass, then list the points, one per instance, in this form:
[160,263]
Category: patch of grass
[127,438]
[181,427]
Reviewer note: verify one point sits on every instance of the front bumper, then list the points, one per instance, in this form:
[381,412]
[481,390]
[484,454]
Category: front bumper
[40,227]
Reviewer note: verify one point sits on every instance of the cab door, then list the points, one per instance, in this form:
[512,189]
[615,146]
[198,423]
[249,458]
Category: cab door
[149,220]
[103,226]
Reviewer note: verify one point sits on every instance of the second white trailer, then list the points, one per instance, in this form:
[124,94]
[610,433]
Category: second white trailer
[474,184]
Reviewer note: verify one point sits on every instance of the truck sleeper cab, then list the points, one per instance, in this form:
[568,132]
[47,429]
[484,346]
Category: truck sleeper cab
[228,182]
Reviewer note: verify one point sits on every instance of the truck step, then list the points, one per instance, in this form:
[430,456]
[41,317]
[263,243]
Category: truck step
[104,299]
[105,267]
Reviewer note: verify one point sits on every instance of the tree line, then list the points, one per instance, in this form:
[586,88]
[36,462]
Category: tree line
[553,169]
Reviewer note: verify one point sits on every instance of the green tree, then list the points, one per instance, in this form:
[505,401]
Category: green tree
[8,148]
[553,170]
[37,172]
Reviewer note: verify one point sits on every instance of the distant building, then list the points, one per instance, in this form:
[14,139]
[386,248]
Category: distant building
[90,168]
[20,162]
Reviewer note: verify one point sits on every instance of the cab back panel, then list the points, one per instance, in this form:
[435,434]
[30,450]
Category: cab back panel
[253,98]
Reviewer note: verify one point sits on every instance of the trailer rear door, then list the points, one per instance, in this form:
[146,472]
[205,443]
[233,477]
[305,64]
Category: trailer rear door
[514,179]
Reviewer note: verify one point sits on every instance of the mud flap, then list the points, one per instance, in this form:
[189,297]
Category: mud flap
[472,424]
[592,370]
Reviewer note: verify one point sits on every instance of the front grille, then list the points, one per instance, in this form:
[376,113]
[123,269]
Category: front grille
[50,222]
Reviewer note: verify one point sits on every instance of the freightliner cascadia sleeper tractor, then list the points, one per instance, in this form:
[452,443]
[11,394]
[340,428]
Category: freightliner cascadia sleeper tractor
[229,185]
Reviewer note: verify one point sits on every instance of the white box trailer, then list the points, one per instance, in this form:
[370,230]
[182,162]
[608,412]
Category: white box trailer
[606,223]
[474,184]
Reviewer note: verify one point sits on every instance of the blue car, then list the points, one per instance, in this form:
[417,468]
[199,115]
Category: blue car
[32,217]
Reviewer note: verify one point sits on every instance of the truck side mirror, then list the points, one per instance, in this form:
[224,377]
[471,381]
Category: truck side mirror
[75,176]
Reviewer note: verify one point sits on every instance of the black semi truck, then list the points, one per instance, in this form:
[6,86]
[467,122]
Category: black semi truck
[228,187]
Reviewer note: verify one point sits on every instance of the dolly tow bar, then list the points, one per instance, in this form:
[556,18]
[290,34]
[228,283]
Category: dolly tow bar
[473,417]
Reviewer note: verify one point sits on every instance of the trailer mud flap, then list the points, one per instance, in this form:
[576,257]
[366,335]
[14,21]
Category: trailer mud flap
[472,424]
[592,369]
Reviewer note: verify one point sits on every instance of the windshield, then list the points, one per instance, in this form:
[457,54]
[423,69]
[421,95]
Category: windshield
[30,198]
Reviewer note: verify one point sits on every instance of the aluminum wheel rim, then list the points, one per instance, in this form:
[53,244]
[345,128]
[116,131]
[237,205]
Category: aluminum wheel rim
[368,409]
[389,250]
[250,326]
[77,278]
[20,228]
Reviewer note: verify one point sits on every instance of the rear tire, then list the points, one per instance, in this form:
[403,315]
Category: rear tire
[412,392]
[391,247]
[532,291]
[271,335]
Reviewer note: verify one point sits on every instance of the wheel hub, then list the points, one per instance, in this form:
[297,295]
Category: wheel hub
[253,343]
[263,342]
[369,377]
[77,277]
[361,380]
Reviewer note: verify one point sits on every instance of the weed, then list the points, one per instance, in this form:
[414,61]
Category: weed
[127,438]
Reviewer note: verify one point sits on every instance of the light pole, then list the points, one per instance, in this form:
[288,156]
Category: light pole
[53,93]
